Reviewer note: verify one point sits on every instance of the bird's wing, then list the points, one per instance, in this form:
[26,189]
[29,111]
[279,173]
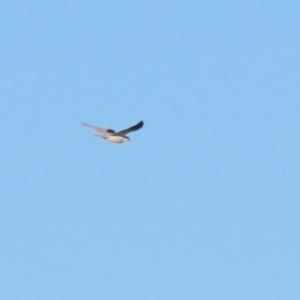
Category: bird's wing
[133,128]
[101,130]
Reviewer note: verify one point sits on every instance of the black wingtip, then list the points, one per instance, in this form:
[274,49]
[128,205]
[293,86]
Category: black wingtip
[140,124]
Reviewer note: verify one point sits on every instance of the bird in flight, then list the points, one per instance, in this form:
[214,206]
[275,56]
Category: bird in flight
[115,137]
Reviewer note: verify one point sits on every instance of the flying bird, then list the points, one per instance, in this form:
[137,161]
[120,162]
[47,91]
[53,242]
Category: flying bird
[115,137]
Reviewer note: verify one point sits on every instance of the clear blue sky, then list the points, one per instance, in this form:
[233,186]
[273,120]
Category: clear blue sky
[203,203]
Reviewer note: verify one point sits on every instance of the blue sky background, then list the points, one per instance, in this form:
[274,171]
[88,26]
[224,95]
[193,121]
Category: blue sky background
[203,203]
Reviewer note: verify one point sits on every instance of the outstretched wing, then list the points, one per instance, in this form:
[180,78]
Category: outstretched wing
[133,128]
[101,130]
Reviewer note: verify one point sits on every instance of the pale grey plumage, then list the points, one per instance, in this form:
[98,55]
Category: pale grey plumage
[115,137]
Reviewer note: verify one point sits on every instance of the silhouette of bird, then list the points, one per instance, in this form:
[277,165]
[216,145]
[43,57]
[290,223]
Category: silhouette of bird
[115,137]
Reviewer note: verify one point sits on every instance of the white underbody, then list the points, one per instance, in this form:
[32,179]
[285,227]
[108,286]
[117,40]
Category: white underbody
[116,139]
